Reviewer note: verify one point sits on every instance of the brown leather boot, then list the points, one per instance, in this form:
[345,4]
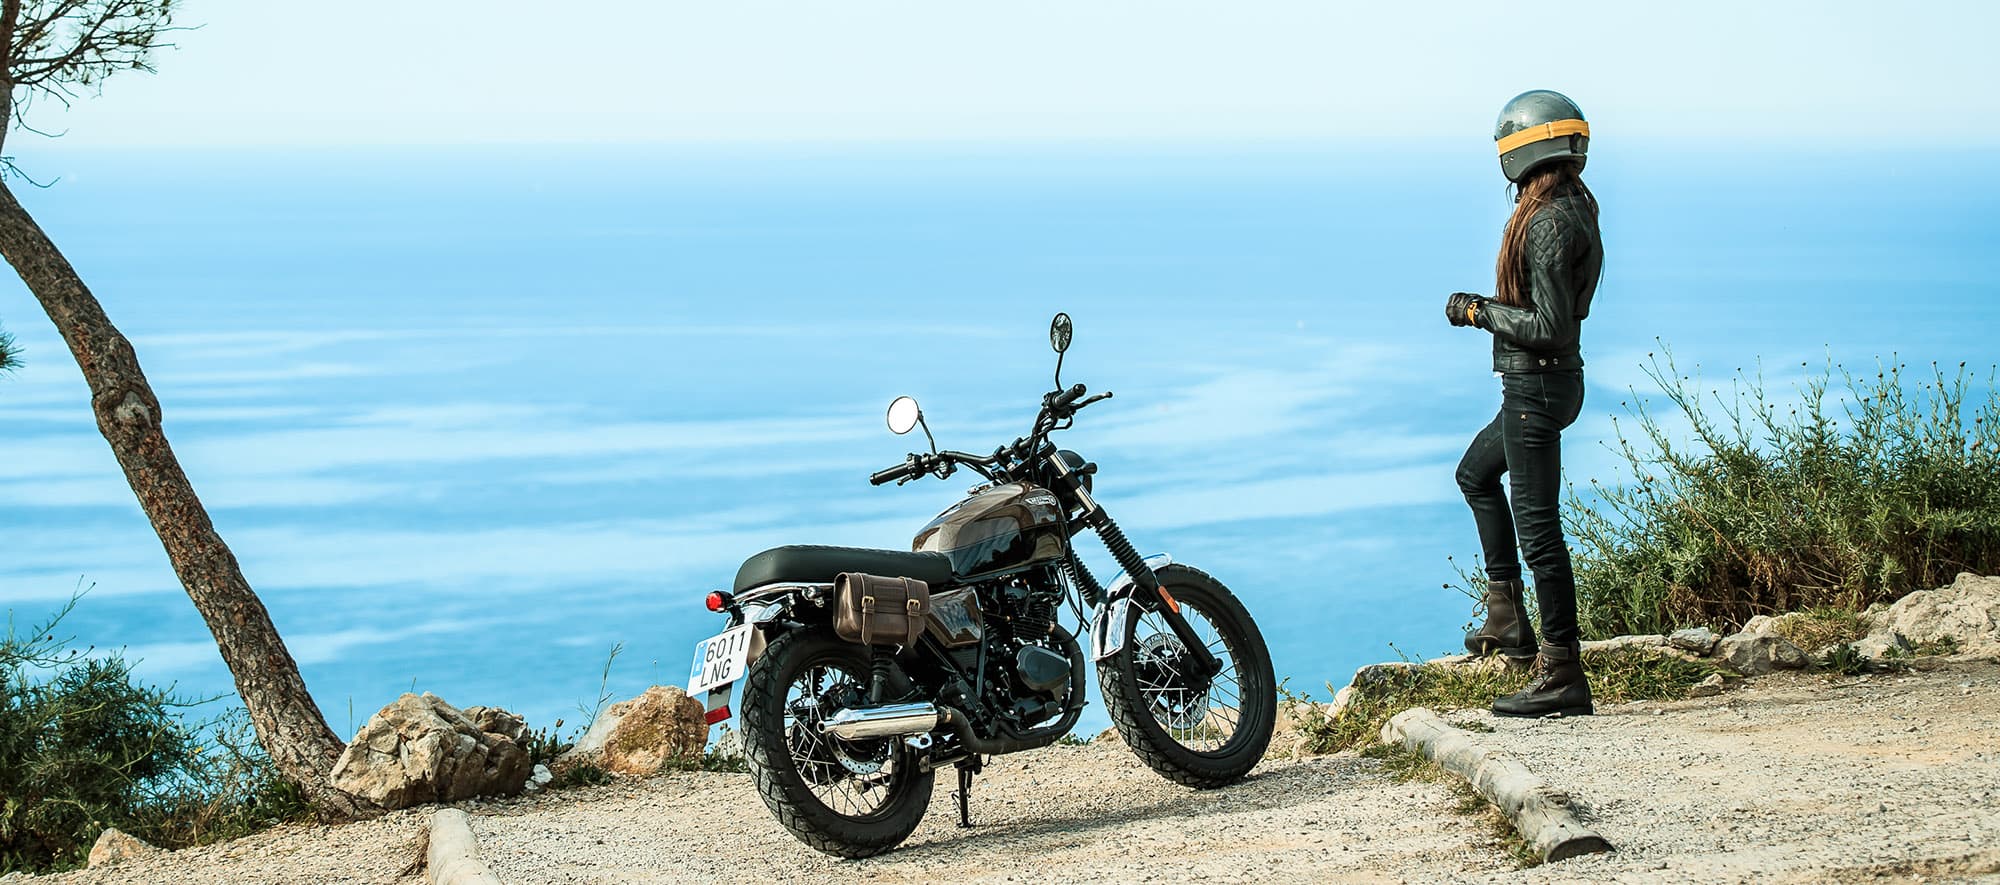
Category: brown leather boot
[1506,630]
[1559,689]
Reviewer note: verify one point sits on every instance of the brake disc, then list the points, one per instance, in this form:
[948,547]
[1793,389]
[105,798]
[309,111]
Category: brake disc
[861,757]
[1176,703]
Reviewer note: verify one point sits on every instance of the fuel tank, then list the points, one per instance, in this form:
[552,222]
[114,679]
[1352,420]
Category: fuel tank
[1003,527]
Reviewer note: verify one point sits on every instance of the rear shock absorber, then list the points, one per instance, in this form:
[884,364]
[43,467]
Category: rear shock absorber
[878,673]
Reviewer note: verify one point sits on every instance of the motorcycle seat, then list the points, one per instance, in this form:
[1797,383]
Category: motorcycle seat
[819,564]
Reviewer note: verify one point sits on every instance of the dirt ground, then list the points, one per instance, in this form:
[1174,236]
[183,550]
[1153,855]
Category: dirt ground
[1793,778]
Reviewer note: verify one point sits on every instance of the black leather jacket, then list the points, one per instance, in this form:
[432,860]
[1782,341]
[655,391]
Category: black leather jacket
[1563,257]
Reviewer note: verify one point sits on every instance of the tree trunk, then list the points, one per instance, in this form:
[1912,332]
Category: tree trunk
[289,725]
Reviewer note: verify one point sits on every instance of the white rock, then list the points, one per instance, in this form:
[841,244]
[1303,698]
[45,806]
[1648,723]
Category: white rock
[1699,640]
[420,749]
[541,775]
[728,744]
[494,720]
[638,737]
[1966,613]
[1341,699]
[1373,674]
[1753,654]
[1652,640]
[1881,646]
[114,846]
[1707,687]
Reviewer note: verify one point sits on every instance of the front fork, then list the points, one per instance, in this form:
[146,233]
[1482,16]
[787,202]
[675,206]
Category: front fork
[1150,596]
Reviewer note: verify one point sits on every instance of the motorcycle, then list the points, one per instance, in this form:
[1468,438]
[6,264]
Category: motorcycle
[865,671]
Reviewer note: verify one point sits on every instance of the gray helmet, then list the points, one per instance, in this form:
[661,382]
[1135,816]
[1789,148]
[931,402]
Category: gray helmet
[1538,127]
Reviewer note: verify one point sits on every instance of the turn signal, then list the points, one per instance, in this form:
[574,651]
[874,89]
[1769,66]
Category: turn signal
[718,600]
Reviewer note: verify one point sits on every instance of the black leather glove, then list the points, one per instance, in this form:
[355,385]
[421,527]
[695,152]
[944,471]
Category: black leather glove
[1462,308]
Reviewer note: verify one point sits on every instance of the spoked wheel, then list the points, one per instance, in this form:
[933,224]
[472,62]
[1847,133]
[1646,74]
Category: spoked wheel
[1202,731]
[847,798]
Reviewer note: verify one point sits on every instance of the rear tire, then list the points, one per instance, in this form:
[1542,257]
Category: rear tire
[1199,736]
[809,780]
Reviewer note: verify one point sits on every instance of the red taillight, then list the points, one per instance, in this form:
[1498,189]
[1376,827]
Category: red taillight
[716,715]
[718,600]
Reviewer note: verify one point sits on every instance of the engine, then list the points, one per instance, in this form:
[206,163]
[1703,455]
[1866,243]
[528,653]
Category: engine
[1027,663]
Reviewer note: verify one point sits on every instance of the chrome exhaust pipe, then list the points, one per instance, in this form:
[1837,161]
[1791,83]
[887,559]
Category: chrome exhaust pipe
[892,720]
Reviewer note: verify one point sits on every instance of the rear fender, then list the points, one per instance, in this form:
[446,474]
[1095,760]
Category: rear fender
[767,612]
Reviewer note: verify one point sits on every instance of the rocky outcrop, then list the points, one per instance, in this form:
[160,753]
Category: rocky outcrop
[114,845]
[640,736]
[420,749]
[1963,619]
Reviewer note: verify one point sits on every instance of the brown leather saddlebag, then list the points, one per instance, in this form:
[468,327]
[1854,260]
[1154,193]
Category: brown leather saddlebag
[874,610]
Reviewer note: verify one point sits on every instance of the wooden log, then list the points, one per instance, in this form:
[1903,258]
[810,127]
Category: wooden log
[453,855]
[1541,813]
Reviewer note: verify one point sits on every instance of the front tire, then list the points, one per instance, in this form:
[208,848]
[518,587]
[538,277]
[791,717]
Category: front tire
[1200,733]
[850,799]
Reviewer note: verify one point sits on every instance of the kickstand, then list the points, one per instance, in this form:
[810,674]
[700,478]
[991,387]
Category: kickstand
[964,793]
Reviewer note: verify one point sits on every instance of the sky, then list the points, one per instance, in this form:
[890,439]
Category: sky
[255,72]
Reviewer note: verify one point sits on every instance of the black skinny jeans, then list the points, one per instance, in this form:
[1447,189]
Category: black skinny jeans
[1525,442]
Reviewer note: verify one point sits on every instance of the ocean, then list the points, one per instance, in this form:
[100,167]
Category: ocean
[471,418]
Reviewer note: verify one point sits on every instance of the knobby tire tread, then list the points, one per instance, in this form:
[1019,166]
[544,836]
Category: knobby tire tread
[802,819]
[1129,715]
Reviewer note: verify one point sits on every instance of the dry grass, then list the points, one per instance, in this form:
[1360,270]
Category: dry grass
[1404,765]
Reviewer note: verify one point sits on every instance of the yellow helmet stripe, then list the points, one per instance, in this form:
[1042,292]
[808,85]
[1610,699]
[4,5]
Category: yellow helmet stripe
[1543,132]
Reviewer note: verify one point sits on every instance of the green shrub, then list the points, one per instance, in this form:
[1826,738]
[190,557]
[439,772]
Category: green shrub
[1839,501]
[83,748]
[543,745]
[582,774]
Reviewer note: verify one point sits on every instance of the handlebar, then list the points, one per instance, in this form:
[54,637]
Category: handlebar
[919,463]
[1057,406]
[1059,401]
[900,471]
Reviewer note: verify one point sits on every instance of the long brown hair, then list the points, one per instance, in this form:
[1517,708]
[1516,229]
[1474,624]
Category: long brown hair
[1542,185]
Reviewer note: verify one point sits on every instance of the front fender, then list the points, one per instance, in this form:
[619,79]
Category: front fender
[1109,625]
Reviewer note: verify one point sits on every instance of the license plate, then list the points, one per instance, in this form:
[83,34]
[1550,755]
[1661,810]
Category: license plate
[720,660]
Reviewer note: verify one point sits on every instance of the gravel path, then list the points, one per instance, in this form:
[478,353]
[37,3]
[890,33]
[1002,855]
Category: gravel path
[1795,778]
[381,850]
[1063,813]
[1799,778]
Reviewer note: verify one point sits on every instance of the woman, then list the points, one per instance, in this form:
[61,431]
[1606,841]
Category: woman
[1550,259]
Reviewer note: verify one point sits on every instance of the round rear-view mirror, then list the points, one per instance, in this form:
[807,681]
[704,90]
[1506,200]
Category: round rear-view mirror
[1059,332]
[904,415]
